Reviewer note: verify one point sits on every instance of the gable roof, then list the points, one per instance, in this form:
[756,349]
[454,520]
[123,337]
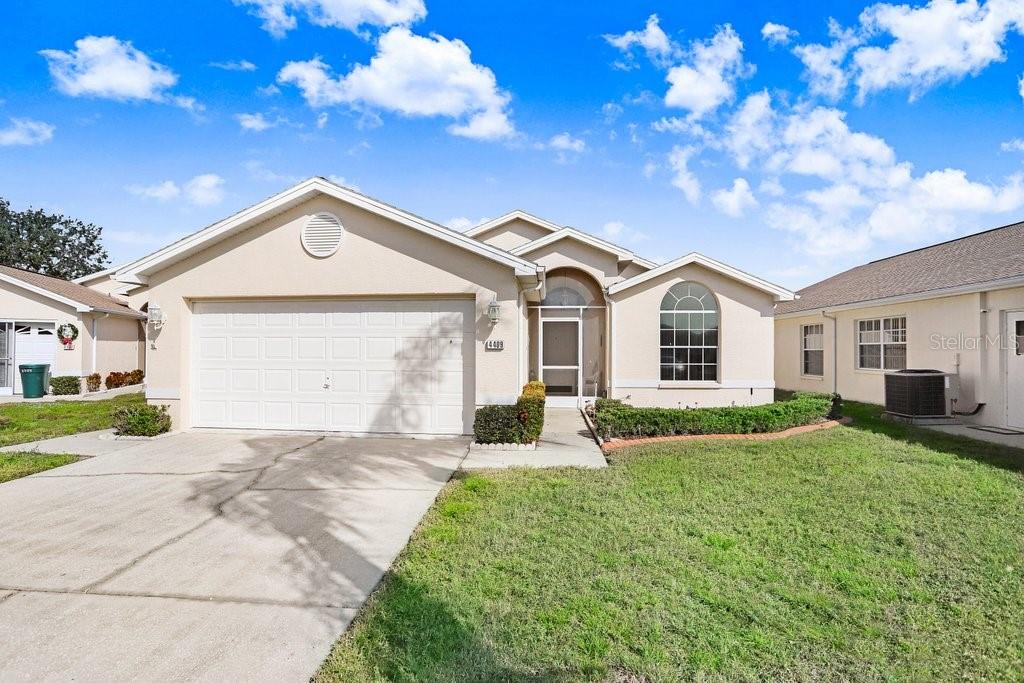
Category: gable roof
[981,261]
[586,238]
[511,216]
[137,271]
[780,293]
[81,298]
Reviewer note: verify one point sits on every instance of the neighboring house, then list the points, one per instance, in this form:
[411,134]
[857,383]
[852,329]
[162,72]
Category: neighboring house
[34,306]
[957,306]
[323,309]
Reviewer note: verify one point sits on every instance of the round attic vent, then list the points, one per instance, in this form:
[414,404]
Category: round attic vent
[321,235]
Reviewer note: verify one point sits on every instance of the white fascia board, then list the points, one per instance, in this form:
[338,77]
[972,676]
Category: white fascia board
[987,286]
[780,293]
[136,271]
[95,276]
[77,305]
[580,236]
[511,216]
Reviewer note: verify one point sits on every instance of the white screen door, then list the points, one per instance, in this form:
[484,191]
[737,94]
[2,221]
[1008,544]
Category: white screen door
[1015,371]
[560,361]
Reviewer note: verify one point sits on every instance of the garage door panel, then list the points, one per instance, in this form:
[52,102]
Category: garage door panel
[377,366]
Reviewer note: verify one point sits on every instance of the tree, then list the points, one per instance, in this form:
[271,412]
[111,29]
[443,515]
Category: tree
[51,244]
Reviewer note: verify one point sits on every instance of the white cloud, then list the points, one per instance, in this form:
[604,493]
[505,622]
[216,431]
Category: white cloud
[321,120]
[280,16]
[777,34]
[343,181]
[256,123]
[240,65]
[823,64]
[105,67]
[205,190]
[202,190]
[612,111]
[771,187]
[258,171]
[462,224]
[751,129]
[162,192]
[268,90]
[659,47]
[649,169]
[709,79]
[413,76]
[942,41]
[1020,86]
[682,177]
[735,201]
[617,231]
[563,142]
[1014,145]
[26,132]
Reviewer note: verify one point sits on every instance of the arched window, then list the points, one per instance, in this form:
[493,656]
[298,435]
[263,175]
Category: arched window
[566,287]
[689,333]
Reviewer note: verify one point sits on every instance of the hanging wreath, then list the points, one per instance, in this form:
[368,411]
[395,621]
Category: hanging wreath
[67,333]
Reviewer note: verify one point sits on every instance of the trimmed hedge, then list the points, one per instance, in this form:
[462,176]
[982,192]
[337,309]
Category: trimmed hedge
[617,419]
[66,385]
[141,420]
[521,422]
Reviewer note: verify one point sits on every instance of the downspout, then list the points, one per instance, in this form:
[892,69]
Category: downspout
[835,350]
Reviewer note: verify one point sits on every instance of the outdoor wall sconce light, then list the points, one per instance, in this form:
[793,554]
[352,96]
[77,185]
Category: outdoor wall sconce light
[494,311]
[155,316]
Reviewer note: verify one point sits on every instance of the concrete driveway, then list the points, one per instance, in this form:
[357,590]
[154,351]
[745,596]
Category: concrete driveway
[212,556]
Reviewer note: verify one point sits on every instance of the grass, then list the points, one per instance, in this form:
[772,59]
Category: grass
[15,465]
[24,421]
[875,552]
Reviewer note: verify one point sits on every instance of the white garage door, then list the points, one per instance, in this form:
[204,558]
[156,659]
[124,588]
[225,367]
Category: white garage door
[350,366]
[34,343]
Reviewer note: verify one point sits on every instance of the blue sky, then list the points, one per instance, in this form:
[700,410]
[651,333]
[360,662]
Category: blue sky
[792,142]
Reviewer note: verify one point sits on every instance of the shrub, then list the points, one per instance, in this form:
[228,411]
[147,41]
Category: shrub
[141,420]
[124,379]
[617,419]
[519,423]
[66,385]
[92,382]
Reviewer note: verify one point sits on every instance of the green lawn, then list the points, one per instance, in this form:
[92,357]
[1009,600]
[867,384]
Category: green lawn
[869,552]
[26,421]
[15,465]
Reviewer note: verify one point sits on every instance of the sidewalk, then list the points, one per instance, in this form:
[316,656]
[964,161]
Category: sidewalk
[565,442]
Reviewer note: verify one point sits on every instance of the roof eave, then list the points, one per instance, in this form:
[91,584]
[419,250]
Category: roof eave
[778,292]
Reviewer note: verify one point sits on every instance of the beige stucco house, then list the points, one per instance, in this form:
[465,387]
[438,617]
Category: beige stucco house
[321,308]
[33,307]
[957,307]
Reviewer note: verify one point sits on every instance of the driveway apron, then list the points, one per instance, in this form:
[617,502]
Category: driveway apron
[204,555]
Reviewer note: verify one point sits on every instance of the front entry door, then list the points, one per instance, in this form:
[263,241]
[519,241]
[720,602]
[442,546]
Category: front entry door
[560,362]
[6,359]
[1015,371]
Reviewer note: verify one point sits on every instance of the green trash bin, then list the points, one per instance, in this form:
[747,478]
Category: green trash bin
[33,380]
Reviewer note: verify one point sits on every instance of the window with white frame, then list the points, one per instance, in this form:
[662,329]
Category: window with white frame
[813,350]
[689,334]
[882,344]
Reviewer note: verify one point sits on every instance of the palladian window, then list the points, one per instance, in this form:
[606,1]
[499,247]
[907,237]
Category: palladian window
[689,334]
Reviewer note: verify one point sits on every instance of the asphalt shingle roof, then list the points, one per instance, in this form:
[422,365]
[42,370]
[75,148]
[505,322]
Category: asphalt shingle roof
[71,290]
[982,257]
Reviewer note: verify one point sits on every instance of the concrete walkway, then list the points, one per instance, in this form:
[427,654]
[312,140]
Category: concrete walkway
[565,442]
[1013,440]
[203,556]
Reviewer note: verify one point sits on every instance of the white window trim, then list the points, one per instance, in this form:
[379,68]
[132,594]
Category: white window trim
[856,341]
[694,383]
[803,350]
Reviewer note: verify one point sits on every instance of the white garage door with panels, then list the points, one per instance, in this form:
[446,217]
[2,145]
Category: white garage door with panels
[350,366]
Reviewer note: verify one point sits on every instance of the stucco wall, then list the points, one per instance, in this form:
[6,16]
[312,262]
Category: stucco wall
[105,285]
[939,335]
[746,340]
[119,347]
[601,265]
[515,233]
[18,305]
[378,258]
